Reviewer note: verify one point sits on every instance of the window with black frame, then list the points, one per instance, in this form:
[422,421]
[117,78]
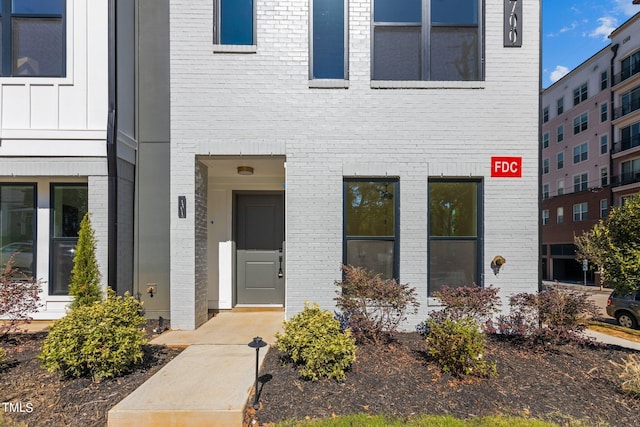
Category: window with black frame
[371,225]
[69,204]
[435,40]
[33,38]
[234,22]
[455,233]
[18,227]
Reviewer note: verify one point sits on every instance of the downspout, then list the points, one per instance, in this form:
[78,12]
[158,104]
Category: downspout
[614,49]
[112,164]
[539,211]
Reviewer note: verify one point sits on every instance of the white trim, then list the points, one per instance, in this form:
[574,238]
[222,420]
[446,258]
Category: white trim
[423,84]
[235,48]
[76,148]
[53,134]
[328,84]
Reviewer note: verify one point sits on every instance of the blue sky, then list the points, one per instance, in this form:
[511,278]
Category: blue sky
[572,31]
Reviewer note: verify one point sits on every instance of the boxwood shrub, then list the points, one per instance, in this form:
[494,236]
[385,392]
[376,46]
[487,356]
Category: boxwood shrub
[101,340]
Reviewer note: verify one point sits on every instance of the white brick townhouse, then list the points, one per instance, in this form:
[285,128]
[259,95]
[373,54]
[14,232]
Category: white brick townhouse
[400,136]
[61,152]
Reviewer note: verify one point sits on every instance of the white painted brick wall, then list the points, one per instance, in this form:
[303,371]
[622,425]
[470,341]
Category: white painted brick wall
[257,103]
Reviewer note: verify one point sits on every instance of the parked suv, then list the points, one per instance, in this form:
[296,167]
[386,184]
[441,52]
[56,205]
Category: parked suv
[625,308]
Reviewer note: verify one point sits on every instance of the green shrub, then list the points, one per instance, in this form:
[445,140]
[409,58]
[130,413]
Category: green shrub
[629,374]
[3,357]
[373,307]
[313,339]
[84,283]
[101,340]
[458,346]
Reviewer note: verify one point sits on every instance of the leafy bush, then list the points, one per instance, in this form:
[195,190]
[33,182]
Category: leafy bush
[614,245]
[480,304]
[3,357]
[629,374]
[457,346]
[85,276]
[19,297]
[372,306]
[101,340]
[313,339]
[551,315]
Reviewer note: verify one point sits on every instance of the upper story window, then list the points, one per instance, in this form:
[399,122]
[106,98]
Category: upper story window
[630,102]
[604,144]
[581,153]
[234,22]
[545,166]
[560,133]
[580,123]
[328,44]
[560,215]
[545,217]
[545,140]
[604,80]
[560,160]
[545,191]
[437,40]
[580,212]
[560,106]
[630,66]
[604,208]
[560,186]
[580,94]
[580,182]
[33,38]
[604,112]
[630,137]
[545,114]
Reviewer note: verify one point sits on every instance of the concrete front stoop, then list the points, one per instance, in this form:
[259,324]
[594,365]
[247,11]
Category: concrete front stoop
[209,383]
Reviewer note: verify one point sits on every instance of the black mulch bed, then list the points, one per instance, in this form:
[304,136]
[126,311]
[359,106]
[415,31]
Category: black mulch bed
[556,383]
[39,398]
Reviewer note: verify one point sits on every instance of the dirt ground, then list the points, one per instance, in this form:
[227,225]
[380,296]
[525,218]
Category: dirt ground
[558,383]
[31,395]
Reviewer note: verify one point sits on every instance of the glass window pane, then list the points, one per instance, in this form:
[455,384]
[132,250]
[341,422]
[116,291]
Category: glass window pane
[37,47]
[38,7]
[396,53]
[454,54]
[328,39]
[370,208]
[453,209]
[397,11]
[69,207]
[452,263]
[17,227]
[374,255]
[454,12]
[62,256]
[236,22]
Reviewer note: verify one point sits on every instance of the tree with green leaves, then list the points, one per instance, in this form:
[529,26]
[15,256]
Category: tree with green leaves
[614,245]
[85,276]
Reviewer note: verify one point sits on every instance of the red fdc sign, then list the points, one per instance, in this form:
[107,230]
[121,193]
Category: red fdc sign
[506,167]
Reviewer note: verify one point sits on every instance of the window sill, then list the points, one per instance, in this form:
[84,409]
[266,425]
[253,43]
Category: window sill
[419,84]
[328,84]
[234,48]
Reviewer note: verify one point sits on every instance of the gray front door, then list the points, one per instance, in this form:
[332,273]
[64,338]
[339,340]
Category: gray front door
[259,230]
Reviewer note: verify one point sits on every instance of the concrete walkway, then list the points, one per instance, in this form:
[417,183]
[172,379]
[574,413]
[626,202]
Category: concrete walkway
[208,384]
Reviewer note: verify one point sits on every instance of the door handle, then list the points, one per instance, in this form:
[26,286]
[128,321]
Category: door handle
[280,273]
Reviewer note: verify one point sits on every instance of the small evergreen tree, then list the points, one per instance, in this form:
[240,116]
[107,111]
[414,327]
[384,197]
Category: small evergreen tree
[85,276]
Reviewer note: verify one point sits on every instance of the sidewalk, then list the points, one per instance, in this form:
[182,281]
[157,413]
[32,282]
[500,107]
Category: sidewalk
[209,383]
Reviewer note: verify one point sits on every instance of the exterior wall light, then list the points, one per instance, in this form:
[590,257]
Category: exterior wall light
[245,170]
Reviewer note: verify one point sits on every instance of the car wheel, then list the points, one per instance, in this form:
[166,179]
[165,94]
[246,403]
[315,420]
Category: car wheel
[626,319]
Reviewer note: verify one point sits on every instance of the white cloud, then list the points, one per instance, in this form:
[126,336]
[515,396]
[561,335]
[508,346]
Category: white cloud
[607,25]
[558,73]
[627,7]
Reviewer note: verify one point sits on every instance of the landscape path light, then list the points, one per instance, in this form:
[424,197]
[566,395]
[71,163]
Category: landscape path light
[257,343]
